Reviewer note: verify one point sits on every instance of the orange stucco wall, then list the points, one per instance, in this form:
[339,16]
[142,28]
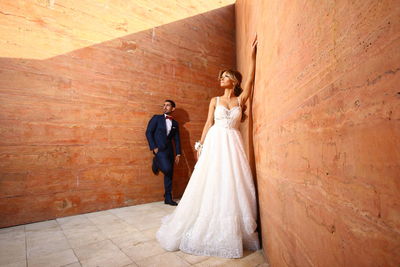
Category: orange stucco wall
[326,129]
[78,84]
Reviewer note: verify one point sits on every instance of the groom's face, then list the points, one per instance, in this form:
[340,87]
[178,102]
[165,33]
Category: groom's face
[168,108]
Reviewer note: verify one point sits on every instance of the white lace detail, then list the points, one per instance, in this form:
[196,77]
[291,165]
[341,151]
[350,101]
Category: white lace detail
[217,213]
[227,118]
[223,240]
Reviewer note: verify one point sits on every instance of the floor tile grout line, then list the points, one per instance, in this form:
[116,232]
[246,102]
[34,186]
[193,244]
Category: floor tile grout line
[69,243]
[190,264]
[145,258]
[72,263]
[107,239]
[142,242]
[98,230]
[123,252]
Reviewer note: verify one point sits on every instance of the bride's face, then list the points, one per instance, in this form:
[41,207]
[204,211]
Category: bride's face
[225,81]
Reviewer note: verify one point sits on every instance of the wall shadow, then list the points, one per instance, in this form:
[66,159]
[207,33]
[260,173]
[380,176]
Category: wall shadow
[188,159]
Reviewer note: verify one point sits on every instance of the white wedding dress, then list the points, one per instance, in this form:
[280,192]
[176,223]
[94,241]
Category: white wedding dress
[217,213]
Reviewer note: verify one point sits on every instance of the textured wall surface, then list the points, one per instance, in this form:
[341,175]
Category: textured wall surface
[326,129]
[78,84]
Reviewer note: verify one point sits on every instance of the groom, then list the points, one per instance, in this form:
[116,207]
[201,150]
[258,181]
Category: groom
[160,132]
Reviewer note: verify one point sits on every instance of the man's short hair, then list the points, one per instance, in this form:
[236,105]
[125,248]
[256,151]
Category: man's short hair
[172,102]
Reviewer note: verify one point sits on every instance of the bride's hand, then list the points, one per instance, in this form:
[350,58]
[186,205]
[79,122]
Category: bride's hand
[198,153]
[198,146]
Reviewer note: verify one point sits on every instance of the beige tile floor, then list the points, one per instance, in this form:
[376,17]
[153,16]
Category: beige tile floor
[116,237]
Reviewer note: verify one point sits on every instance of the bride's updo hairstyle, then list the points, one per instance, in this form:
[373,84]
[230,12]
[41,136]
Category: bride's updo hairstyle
[236,77]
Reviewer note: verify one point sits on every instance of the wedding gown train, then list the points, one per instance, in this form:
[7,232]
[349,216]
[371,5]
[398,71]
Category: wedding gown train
[217,213]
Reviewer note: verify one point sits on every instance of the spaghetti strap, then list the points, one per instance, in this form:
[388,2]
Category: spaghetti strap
[217,100]
[238,99]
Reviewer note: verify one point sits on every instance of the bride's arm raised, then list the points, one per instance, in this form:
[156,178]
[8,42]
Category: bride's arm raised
[251,73]
[210,120]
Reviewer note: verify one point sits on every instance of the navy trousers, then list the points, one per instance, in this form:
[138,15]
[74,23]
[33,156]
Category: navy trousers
[165,163]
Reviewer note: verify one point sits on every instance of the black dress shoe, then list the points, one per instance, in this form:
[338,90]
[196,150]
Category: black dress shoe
[170,202]
[154,166]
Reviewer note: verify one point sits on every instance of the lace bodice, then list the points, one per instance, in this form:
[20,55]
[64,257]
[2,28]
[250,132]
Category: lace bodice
[227,118]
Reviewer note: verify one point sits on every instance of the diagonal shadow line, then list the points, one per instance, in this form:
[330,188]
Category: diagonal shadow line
[44,25]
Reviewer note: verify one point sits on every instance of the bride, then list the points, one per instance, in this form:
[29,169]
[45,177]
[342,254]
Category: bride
[217,213]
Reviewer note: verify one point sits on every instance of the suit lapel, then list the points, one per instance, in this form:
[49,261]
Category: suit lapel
[162,123]
[173,127]
[174,123]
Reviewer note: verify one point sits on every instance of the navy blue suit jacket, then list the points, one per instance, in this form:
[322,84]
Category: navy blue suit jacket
[156,134]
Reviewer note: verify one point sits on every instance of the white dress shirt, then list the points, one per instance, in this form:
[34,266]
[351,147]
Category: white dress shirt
[168,124]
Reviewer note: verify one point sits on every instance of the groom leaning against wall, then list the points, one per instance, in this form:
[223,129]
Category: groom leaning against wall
[161,130]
